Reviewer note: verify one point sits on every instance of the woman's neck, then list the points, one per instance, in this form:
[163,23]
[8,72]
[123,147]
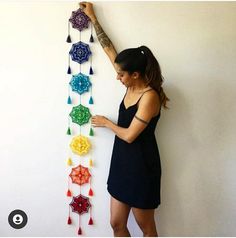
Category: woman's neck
[138,88]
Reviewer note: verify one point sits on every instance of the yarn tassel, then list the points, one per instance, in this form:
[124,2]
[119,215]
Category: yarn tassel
[91,70]
[91,100]
[69,101]
[69,194]
[90,221]
[91,133]
[69,70]
[69,162]
[90,192]
[68,40]
[80,231]
[90,163]
[68,131]
[91,38]
[69,221]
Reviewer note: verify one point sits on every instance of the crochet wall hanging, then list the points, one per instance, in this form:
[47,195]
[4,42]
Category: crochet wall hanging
[80,176]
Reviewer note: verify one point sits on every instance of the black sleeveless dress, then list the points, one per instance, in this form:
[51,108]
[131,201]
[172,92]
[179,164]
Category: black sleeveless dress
[135,170]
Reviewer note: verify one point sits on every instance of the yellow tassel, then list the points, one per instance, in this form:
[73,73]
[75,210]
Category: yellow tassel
[69,162]
[90,163]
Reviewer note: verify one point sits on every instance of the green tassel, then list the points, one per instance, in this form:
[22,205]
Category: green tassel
[91,133]
[68,131]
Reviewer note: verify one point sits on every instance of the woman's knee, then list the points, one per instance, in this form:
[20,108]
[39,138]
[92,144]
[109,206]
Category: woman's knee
[119,214]
[117,223]
[146,222]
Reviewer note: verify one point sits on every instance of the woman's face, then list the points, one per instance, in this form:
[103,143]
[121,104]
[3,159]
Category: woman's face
[124,77]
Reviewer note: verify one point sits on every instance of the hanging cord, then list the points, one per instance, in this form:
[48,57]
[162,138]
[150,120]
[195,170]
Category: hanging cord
[69,221]
[69,101]
[91,37]
[68,40]
[69,68]
[91,68]
[80,229]
[68,129]
[90,219]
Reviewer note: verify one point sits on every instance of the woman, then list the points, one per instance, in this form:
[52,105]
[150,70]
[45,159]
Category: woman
[135,171]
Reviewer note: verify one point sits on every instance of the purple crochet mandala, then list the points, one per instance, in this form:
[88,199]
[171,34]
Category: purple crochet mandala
[79,20]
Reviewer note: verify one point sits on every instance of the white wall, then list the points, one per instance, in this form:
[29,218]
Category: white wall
[195,45]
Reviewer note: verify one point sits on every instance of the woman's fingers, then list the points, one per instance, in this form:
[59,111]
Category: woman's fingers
[87,8]
[82,5]
[98,121]
[94,120]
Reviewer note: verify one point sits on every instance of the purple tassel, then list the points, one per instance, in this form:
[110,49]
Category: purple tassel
[91,38]
[68,40]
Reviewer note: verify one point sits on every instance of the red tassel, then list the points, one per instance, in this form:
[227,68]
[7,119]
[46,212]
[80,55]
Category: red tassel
[80,231]
[69,193]
[90,221]
[90,192]
[69,221]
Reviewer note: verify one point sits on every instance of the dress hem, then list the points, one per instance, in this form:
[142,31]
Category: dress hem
[129,204]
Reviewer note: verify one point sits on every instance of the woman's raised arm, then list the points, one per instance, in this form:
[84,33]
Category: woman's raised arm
[101,35]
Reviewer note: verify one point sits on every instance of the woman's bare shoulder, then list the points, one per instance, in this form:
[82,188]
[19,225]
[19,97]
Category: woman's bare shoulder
[151,96]
[150,99]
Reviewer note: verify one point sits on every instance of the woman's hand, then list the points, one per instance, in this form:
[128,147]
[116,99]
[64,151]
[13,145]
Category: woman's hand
[87,8]
[99,121]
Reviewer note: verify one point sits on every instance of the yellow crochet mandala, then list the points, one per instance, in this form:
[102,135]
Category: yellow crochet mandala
[80,145]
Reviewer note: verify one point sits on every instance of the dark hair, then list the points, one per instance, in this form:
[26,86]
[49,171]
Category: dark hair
[142,60]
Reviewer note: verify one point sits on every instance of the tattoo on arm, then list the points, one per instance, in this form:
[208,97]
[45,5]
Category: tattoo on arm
[141,120]
[102,37]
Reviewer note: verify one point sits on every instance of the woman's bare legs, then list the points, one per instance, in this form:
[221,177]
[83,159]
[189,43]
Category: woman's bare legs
[119,217]
[145,220]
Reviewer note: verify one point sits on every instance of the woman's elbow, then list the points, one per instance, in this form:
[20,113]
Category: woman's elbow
[129,139]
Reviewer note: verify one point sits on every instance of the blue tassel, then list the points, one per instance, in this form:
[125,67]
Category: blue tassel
[69,101]
[91,100]
[69,70]
[90,70]
[91,38]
